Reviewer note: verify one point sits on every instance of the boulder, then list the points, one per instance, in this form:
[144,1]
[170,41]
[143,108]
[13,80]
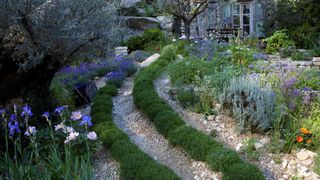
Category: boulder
[128,3]
[141,23]
[165,22]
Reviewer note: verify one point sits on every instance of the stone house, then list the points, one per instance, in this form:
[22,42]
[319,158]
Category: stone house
[246,16]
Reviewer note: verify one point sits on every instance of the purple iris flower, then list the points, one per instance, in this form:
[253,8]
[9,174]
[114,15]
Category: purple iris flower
[59,109]
[295,93]
[13,127]
[86,120]
[45,115]
[2,111]
[26,111]
[13,117]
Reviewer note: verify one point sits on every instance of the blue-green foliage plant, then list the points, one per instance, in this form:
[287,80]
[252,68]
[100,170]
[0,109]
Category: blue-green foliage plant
[198,145]
[252,105]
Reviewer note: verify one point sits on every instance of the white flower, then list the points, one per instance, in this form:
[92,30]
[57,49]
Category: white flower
[30,131]
[174,40]
[73,136]
[183,37]
[69,130]
[76,115]
[92,135]
[59,126]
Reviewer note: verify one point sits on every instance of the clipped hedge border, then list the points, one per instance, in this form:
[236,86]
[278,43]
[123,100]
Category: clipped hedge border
[197,144]
[134,164]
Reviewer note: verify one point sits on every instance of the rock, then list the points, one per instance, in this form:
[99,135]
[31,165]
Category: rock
[316,59]
[141,23]
[307,162]
[149,60]
[258,145]
[218,107]
[205,122]
[128,3]
[304,154]
[211,118]
[313,176]
[285,177]
[222,125]
[284,164]
[239,146]
[265,140]
[165,22]
[231,138]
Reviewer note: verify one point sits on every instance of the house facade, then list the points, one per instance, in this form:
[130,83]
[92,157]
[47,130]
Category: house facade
[248,16]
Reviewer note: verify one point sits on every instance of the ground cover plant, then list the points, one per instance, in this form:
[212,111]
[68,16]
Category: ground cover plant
[60,149]
[134,164]
[197,144]
[63,85]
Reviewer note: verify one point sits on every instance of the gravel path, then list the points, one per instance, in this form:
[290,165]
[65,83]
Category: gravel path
[105,168]
[143,134]
[224,125]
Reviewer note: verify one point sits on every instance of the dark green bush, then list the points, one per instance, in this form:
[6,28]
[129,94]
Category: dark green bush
[134,163]
[135,43]
[243,171]
[187,99]
[167,121]
[61,95]
[197,144]
[300,56]
[222,159]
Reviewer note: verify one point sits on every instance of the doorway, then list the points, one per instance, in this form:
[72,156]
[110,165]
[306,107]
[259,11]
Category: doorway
[242,18]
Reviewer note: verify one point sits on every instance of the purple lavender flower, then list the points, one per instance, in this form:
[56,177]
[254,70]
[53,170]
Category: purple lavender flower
[26,111]
[86,120]
[307,89]
[13,127]
[295,93]
[290,82]
[260,56]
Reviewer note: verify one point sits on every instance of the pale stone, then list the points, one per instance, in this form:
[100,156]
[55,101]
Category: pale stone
[205,122]
[307,162]
[150,60]
[239,146]
[258,145]
[284,164]
[316,59]
[211,118]
[265,140]
[218,106]
[304,154]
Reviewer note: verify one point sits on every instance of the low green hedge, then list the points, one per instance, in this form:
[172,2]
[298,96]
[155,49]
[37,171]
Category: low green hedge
[134,164]
[197,144]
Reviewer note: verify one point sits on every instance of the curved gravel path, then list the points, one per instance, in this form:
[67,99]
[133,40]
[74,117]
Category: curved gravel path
[224,125]
[143,134]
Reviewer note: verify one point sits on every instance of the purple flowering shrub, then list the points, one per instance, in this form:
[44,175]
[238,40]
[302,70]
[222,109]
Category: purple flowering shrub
[65,143]
[62,87]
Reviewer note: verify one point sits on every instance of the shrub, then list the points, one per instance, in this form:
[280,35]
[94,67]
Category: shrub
[241,55]
[187,98]
[252,106]
[167,121]
[304,35]
[61,95]
[134,163]
[151,37]
[300,56]
[287,52]
[197,144]
[279,40]
[317,163]
[236,171]
[222,159]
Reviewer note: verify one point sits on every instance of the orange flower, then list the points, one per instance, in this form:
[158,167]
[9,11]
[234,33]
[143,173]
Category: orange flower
[304,131]
[309,141]
[299,139]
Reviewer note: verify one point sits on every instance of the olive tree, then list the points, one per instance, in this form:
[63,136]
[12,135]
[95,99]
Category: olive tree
[34,29]
[186,11]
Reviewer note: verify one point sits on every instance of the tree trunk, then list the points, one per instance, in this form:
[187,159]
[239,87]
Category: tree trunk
[187,25]
[176,26]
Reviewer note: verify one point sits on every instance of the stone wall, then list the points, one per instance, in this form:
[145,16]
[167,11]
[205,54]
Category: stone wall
[314,63]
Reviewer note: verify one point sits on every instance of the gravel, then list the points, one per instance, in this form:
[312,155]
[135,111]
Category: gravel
[142,133]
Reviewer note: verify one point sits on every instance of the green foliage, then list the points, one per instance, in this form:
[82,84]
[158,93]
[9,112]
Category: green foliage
[241,55]
[309,78]
[236,171]
[139,56]
[304,35]
[152,37]
[251,41]
[61,95]
[222,159]
[279,40]
[287,52]
[250,150]
[317,163]
[252,106]
[300,56]
[197,144]
[187,98]
[185,72]
[133,162]
[312,123]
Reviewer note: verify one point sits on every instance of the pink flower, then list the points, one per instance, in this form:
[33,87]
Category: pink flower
[76,115]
